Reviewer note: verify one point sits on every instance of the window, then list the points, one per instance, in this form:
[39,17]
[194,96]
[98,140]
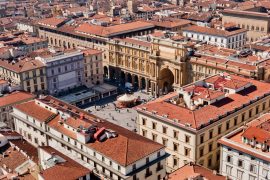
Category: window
[143,121]
[148,172]
[147,160]
[187,152]
[175,134]
[219,129]
[144,132]
[264,104]
[250,113]
[154,125]
[229,159]
[187,138]
[227,125]
[41,72]
[210,134]
[243,117]
[202,151]
[240,163]
[209,162]
[252,168]
[119,168]
[175,161]
[265,173]
[229,170]
[210,147]
[29,137]
[252,177]
[202,138]
[134,167]
[175,146]
[257,109]
[154,137]
[235,121]
[239,174]
[164,141]
[164,129]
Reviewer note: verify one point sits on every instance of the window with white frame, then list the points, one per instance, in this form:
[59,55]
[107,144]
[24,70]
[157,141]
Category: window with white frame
[229,170]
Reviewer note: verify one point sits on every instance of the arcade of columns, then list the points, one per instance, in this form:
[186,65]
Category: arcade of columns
[158,67]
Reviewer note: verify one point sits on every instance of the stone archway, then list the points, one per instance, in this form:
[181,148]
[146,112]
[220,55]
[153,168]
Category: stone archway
[122,78]
[106,72]
[112,74]
[136,81]
[143,83]
[129,77]
[166,80]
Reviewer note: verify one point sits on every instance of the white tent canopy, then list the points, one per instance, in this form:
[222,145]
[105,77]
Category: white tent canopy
[126,98]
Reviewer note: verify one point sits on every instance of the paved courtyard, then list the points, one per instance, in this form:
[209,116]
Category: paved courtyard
[125,117]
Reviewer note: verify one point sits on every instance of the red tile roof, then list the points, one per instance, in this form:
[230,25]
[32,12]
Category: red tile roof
[53,22]
[91,52]
[32,109]
[191,171]
[26,147]
[122,149]
[212,31]
[15,98]
[112,30]
[68,170]
[200,117]
[13,159]
[23,65]
[257,130]
[135,42]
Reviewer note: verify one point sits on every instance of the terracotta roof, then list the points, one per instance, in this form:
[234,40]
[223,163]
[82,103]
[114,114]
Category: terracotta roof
[15,98]
[26,147]
[112,30]
[122,149]
[53,22]
[13,159]
[22,65]
[91,52]
[258,130]
[135,41]
[191,171]
[200,117]
[68,170]
[213,31]
[35,111]
[245,13]
[257,134]
[170,23]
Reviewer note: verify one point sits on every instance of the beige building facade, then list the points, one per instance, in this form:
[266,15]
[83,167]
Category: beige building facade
[29,73]
[93,67]
[158,66]
[257,23]
[190,133]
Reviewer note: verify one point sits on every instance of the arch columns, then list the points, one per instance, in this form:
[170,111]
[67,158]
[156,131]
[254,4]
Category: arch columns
[140,82]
